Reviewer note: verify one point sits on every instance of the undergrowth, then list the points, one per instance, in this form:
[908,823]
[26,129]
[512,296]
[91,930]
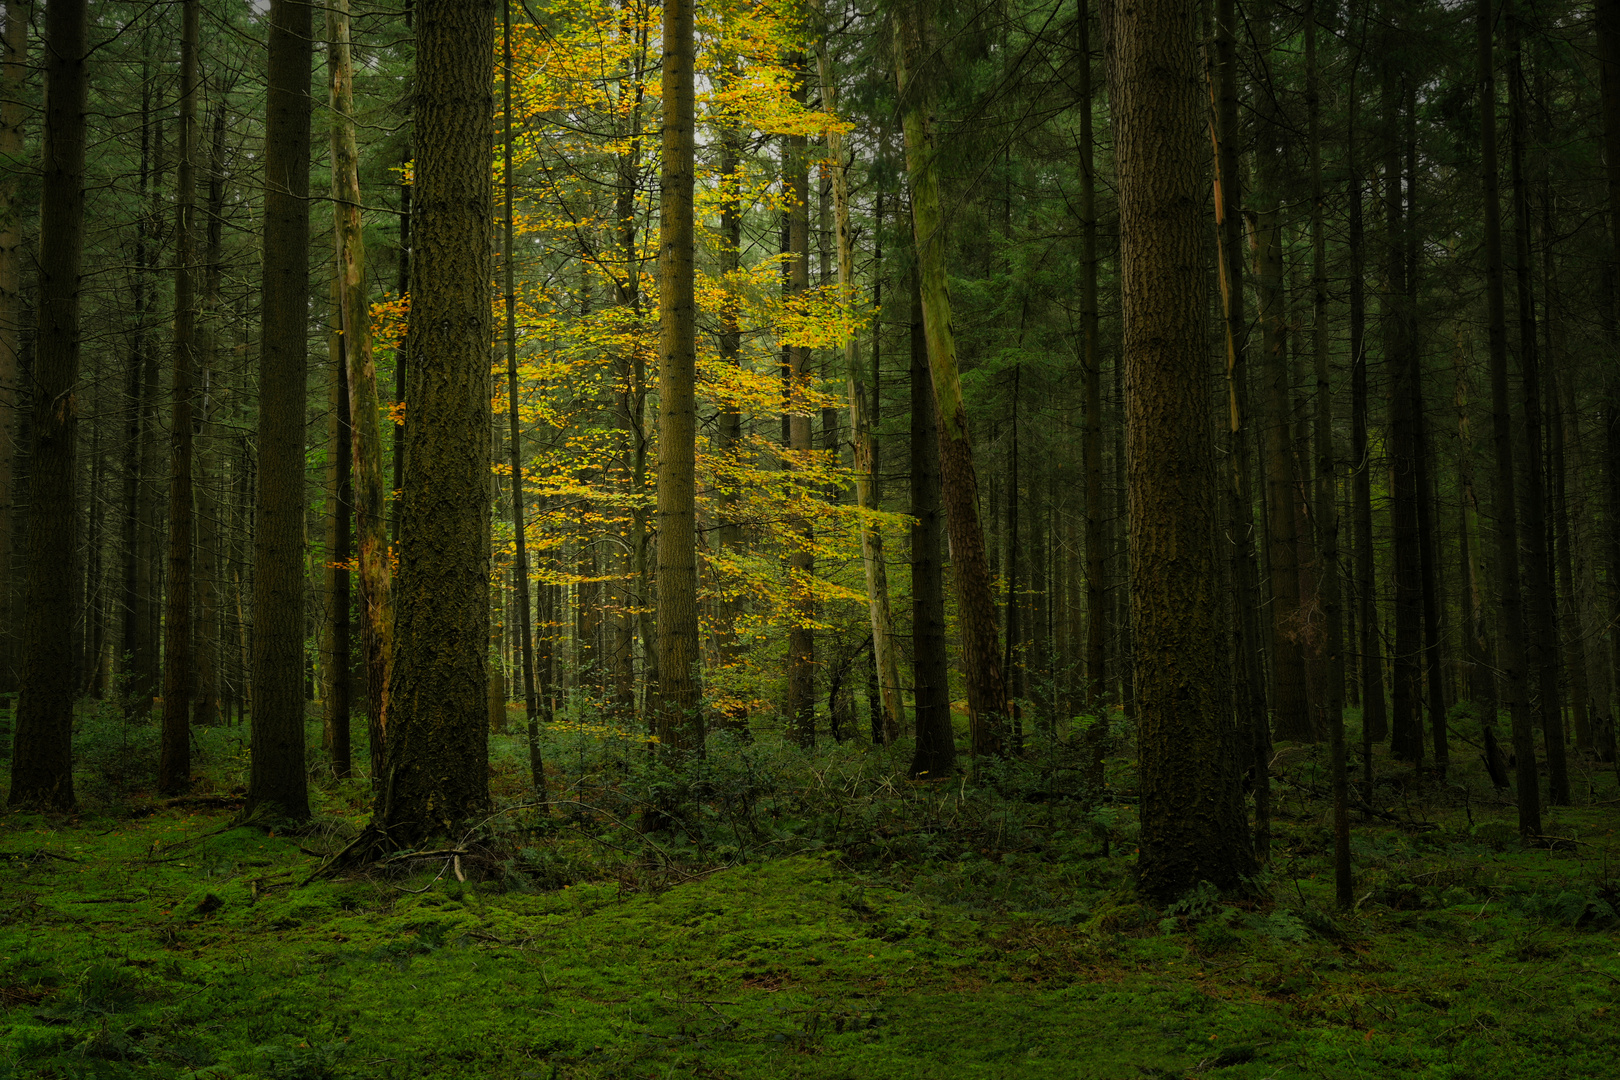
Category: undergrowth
[805,913]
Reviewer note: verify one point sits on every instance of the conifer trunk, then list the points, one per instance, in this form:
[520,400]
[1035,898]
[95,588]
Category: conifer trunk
[981,658]
[860,420]
[42,751]
[935,753]
[13,74]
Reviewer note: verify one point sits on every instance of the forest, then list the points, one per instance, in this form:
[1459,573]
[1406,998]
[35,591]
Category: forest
[766,538]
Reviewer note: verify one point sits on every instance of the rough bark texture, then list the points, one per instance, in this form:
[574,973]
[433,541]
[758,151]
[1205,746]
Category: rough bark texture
[796,421]
[437,773]
[205,708]
[42,753]
[1193,824]
[277,779]
[935,752]
[679,719]
[174,765]
[976,610]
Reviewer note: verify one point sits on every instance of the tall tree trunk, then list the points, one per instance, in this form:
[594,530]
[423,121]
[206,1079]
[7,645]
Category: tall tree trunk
[210,471]
[1193,824]
[1510,654]
[520,571]
[860,420]
[1406,729]
[1330,712]
[13,114]
[1251,699]
[277,779]
[437,773]
[935,752]
[1290,700]
[174,766]
[1096,538]
[976,611]
[800,708]
[42,753]
[1481,681]
[1608,28]
[679,717]
[1540,602]
[365,428]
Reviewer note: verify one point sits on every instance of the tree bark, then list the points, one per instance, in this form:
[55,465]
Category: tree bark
[13,114]
[174,765]
[680,721]
[860,420]
[976,611]
[1193,824]
[437,773]
[1510,656]
[42,753]
[935,752]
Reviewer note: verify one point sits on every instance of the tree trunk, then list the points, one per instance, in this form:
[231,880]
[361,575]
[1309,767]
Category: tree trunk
[1510,656]
[860,420]
[935,752]
[365,429]
[1330,712]
[42,753]
[437,775]
[277,779]
[174,766]
[1193,824]
[981,658]
[1541,604]
[205,712]
[800,706]
[680,723]
[13,114]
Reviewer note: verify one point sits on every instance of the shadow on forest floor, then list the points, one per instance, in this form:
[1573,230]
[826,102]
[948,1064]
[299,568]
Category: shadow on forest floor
[814,915]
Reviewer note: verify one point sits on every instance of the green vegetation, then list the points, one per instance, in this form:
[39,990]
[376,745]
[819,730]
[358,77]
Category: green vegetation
[815,917]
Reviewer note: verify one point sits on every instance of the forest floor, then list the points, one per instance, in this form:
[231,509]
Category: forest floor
[815,916]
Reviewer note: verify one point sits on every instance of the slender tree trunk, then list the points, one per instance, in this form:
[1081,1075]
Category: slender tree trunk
[210,470]
[680,723]
[981,659]
[800,707]
[935,752]
[1251,699]
[1510,655]
[42,753]
[277,779]
[1608,28]
[1541,603]
[365,428]
[1096,539]
[1481,682]
[860,420]
[1330,711]
[520,570]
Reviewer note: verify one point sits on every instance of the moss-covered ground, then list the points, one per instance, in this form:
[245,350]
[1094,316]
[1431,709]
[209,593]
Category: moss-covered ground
[812,916]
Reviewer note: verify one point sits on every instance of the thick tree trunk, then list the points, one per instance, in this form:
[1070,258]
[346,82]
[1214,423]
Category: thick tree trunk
[437,776]
[277,779]
[174,765]
[42,753]
[13,114]
[1193,824]
[981,658]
